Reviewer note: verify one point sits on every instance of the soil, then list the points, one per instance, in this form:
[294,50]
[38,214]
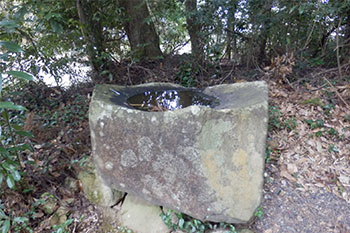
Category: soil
[288,210]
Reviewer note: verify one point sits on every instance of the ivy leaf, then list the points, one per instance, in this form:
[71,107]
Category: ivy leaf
[16,175]
[8,23]
[24,133]
[181,223]
[21,12]
[56,27]
[0,82]
[10,181]
[20,75]
[10,46]
[6,226]
[11,106]
[17,127]
[2,214]
[1,178]
[292,9]
[27,147]
[5,166]
[59,230]
[4,56]
[20,219]
[69,221]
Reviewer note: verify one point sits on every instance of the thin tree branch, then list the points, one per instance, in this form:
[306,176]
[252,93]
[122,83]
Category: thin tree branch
[309,36]
[228,75]
[338,55]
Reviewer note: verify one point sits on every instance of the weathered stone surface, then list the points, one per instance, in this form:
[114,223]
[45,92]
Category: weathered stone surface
[205,162]
[141,217]
[95,189]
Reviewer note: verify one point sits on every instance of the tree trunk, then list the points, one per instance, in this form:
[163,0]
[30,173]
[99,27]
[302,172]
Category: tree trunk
[230,32]
[262,57]
[194,30]
[143,39]
[262,49]
[229,36]
[93,36]
[346,41]
[260,12]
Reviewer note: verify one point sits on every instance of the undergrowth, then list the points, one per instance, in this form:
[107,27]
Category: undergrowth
[179,221]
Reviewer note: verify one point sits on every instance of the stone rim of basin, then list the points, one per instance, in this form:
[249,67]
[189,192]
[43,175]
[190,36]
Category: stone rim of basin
[119,95]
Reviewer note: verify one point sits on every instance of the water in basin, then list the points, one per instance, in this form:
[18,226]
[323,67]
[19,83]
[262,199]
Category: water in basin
[165,100]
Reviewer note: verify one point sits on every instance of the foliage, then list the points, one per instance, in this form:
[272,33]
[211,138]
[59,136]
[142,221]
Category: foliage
[12,144]
[248,32]
[13,136]
[12,133]
[314,101]
[259,212]
[125,230]
[274,118]
[169,18]
[275,121]
[186,75]
[7,221]
[332,148]
[188,224]
[314,124]
[268,153]
[62,228]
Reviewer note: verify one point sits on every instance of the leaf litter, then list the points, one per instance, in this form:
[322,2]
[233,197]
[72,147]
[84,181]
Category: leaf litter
[313,156]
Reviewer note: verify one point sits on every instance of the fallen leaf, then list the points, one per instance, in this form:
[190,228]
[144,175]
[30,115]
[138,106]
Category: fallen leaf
[284,173]
[345,180]
[292,168]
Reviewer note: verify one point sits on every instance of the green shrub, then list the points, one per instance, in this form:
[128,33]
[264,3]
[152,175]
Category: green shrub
[188,224]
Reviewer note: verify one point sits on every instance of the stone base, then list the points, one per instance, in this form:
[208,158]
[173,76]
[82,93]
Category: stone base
[141,217]
[95,190]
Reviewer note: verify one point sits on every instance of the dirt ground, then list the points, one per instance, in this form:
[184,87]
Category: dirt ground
[289,210]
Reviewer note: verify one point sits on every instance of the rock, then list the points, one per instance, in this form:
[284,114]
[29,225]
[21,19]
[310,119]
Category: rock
[50,204]
[95,189]
[60,216]
[141,217]
[67,201]
[245,231]
[207,162]
[218,231]
[71,184]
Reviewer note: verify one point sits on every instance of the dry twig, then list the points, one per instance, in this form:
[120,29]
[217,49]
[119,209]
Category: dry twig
[228,75]
[336,91]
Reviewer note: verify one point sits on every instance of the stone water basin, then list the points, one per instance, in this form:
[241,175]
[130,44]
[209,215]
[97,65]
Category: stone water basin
[200,152]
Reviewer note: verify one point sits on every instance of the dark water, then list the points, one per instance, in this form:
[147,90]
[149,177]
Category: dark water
[169,100]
